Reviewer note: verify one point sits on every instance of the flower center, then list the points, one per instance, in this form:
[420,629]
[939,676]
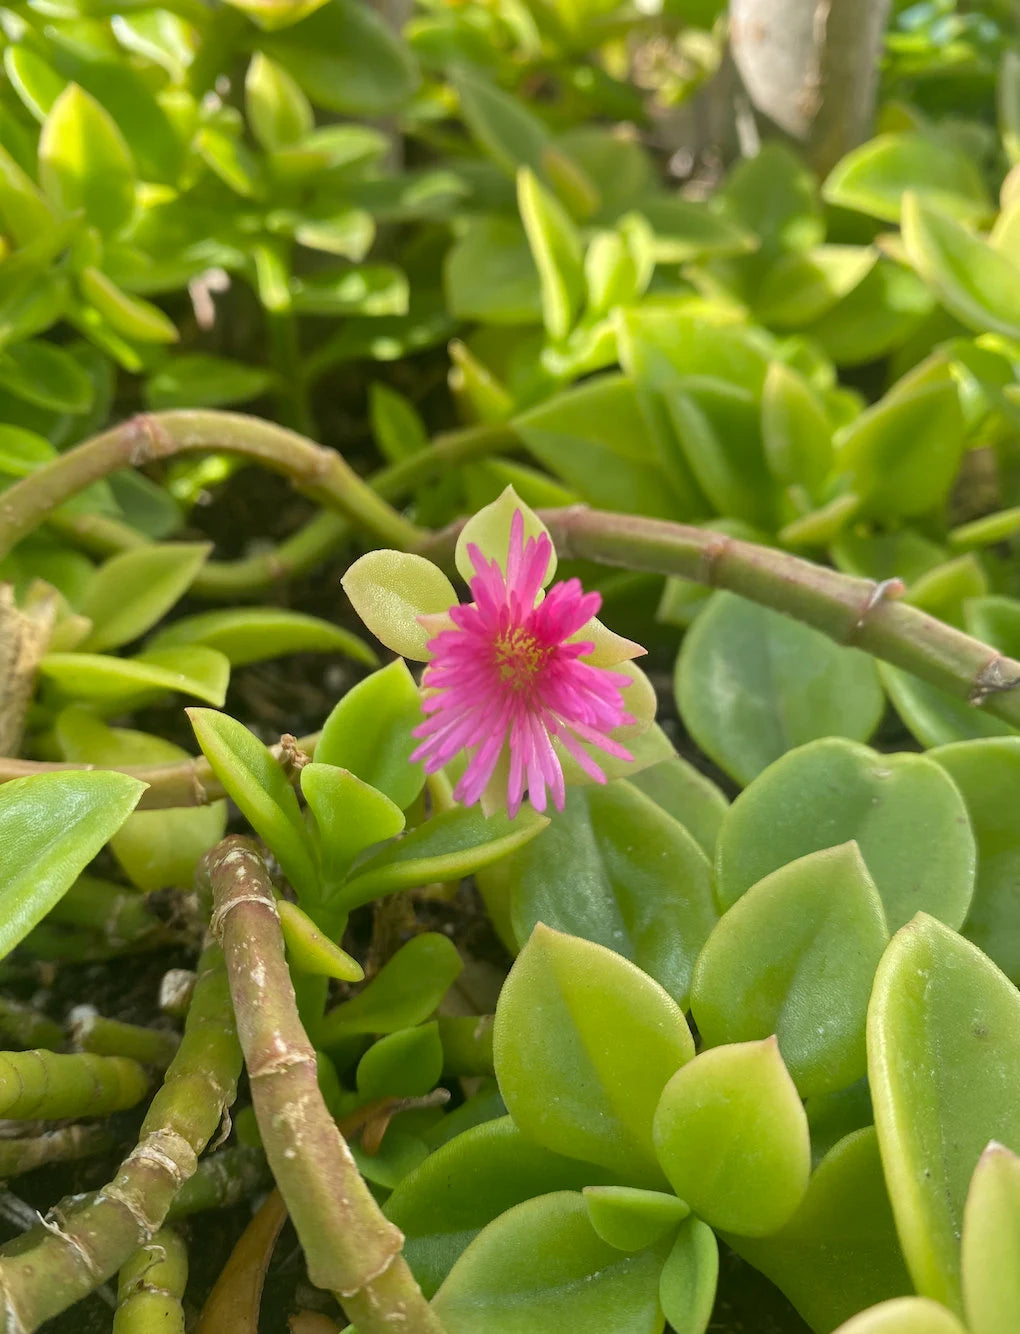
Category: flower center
[519,657]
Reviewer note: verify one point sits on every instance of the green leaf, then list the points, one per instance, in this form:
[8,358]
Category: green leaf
[688,1283]
[369,733]
[46,375]
[130,316]
[902,455]
[839,1252]
[468,1182]
[349,815]
[751,684]
[371,289]
[685,793]
[198,380]
[500,124]
[34,80]
[404,992]
[541,1267]
[277,110]
[876,318]
[405,1064]
[254,779]
[904,1315]
[977,284]
[1009,103]
[84,162]
[991,1242]
[584,1043]
[944,1067]
[686,229]
[448,846]
[396,423]
[595,439]
[157,849]
[732,1137]
[556,248]
[106,680]
[987,773]
[905,814]
[255,634]
[309,951]
[132,591]
[615,868]
[631,1219]
[347,59]
[934,716]
[54,824]
[21,451]
[489,274]
[795,431]
[718,426]
[271,15]
[874,178]
[796,956]
[803,286]
[348,232]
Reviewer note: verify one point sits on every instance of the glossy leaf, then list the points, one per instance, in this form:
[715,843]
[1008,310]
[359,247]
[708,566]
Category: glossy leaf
[157,849]
[404,1064]
[405,991]
[309,951]
[584,1043]
[198,380]
[347,59]
[907,817]
[253,634]
[991,1242]
[631,1219]
[804,285]
[448,846]
[556,248]
[254,779]
[752,684]
[689,1277]
[615,868]
[904,1315]
[130,316]
[540,1267]
[84,162]
[944,1067]
[685,793]
[987,773]
[105,680]
[369,733]
[390,590]
[731,1136]
[277,109]
[54,824]
[874,178]
[795,431]
[796,956]
[977,284]
[839,1252]
[46,375]
[349,816]
[502,125]
[132,591]
[489,274]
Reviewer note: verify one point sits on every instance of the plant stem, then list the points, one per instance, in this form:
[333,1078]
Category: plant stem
[73,1253]
[847,609]
[25,1027]
[112,1037]
[56,1146]
[349,1246]
[322,473]
[45,1086]
[222,1179]
[150,1287]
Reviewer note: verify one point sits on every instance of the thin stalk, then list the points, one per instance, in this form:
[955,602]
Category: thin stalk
[350,1248]
[24,1027]
[72,1253]
[223,1179]
[847,609]
[91,1031]
[321,473]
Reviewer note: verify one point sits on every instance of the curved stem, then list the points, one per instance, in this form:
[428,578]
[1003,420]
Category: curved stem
[321,473]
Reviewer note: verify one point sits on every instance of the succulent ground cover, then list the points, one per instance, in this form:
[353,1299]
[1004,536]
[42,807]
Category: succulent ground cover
[509,669]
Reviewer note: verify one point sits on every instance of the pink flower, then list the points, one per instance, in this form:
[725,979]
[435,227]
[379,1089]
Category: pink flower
[508,679]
